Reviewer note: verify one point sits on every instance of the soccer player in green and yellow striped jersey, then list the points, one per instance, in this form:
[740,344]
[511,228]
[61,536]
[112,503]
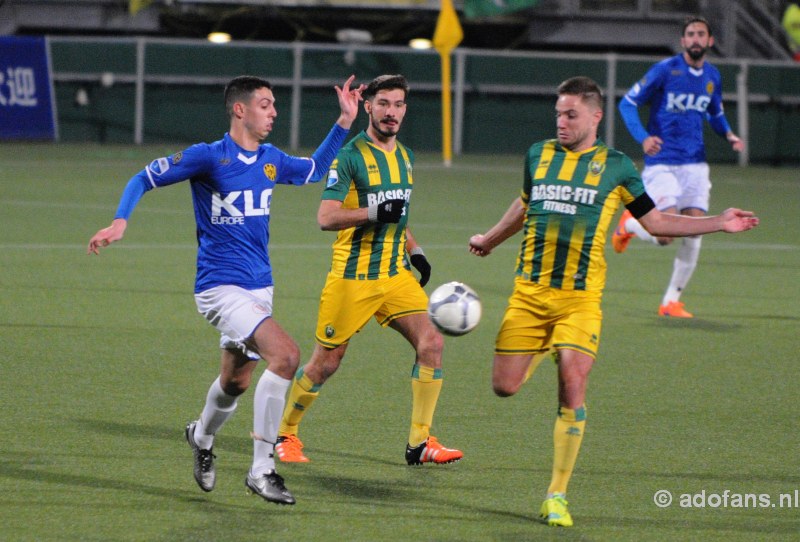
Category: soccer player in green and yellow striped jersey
[372,250]
[572,187]
[366,201]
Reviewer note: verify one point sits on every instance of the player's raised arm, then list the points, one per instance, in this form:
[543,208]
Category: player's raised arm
[348,102]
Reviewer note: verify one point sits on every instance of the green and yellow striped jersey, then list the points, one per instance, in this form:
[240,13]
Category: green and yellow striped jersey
[571,199]
[364,173]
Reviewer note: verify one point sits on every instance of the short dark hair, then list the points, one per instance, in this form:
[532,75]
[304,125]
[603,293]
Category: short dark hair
[239,89]
[582,86]
[386,82]
[691,19]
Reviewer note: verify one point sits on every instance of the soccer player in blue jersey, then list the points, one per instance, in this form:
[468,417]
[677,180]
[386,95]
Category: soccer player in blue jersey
[232,181]
[683,92]
[572,187]
[366,201]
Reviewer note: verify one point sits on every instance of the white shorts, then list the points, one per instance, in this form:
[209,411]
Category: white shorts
[236,313]
[685,186]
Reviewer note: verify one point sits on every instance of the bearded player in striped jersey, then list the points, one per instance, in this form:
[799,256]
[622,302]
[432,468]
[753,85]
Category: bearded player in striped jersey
[572,187]
[366,202]
[232,181]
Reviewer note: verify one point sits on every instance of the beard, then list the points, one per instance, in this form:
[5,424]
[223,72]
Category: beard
[696,53]
[376,125]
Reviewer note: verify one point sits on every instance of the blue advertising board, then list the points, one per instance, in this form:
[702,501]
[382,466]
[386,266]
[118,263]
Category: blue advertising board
[26,94]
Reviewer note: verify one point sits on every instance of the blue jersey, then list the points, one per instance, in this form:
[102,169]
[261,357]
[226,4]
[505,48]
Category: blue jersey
[232,191]
[681,98]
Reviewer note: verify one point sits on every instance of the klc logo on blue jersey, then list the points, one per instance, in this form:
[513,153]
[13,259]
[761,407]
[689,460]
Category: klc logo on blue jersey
[680,103]
[236,205]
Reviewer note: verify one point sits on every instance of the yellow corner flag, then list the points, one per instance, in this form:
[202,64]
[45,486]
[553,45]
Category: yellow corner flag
[446,37]
[448,33]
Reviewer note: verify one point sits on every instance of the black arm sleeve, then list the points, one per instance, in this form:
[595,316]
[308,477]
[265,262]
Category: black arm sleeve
[641,206]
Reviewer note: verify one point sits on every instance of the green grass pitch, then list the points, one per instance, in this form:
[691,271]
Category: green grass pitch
[104,360]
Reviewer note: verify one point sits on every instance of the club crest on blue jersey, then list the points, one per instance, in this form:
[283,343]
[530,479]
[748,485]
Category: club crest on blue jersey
[177,157]
[710,87]
[270,171]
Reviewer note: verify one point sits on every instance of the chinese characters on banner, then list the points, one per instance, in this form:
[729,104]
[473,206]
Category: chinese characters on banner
[26,101]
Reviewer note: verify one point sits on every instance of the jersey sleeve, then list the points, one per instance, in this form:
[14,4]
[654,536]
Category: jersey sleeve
[634,196]
[180,166]
[163,172]
[644,88]
[639,94]
[293,170]
[716,111]
[527,180]
[296,170]
[340,177]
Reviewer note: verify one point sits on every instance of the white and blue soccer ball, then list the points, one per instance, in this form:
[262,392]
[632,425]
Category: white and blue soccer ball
[454,308]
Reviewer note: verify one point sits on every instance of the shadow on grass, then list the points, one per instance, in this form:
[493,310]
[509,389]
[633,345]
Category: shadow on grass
[23,471]
[228,443]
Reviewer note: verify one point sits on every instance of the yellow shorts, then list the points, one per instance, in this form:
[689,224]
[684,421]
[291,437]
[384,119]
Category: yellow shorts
[539,318]
[346,305]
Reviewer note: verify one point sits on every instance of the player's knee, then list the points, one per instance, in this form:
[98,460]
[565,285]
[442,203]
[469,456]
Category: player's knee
[235,389]
[430,340]
[664,241]
[431,346]
[235,385]
[286,360]
[504,387]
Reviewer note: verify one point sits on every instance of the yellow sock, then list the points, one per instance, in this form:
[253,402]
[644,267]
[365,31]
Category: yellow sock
[567,437]
[301,396]
[426,383]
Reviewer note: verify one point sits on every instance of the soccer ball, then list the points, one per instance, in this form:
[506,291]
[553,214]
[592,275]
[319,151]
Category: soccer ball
[454,308]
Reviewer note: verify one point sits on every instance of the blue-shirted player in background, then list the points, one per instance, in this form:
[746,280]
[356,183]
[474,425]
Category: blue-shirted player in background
[232,182]
[683,92]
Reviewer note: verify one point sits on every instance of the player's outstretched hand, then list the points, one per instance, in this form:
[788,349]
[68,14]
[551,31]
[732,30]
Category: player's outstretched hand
[348,102]
[106,236]
[420,263]
[387,212]
[736,220]
[477,245]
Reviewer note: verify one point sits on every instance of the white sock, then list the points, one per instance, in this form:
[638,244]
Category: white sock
[682,269]
[633,226]
[218,408]
[268,403]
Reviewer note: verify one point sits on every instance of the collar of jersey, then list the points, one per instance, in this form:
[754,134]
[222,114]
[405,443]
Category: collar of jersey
[243,155]
[373,145]
[593,148]
[697,72]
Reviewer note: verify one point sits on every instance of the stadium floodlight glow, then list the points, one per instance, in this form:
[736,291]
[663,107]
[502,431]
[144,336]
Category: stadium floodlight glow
[219,37]
[420,43]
